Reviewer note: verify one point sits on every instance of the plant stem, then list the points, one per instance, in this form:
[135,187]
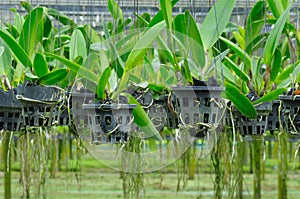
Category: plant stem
[7,165]
[257,156]
[282,165]
[191,161]
[251,159]
[239,168]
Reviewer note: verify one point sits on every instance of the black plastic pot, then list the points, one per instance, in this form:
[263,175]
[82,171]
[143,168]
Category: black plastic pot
[110,123]
[38,103]
[199,107]
[256,126]
[291,111]
[10,111]
[161,114]
[71,111]
[274,117]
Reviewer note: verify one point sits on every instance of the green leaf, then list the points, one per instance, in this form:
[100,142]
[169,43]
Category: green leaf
[159,16]
[273,95]
[276,7]
[217,64]
[187,71]
[75,68]
[166,8]
[164,51]
[40,65]
[123,82]
[142,45]
[287,73]
[240,52]
[54,76]
[103,80]
[240,101]
[274,37]
[18,74]
[12,30]
[77,45]
[26,5]
[18,22]
[180,27]
[142,120]
[32,32]
[18,51]
[240,73]
[254,22]
[256,43]
[152,144]
[194,40]
[78,60]
[215,22]
[5,59]
[64,19]
[156,87]
[30,75]
[47,27]
[115,10]
[276,64]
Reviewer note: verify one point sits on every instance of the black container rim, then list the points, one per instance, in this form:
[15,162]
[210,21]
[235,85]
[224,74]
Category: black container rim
[78,94]
[109,106]
[289,97]
[198,88]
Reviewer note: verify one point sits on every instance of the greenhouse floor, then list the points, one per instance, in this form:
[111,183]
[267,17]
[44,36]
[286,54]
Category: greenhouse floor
[94,180]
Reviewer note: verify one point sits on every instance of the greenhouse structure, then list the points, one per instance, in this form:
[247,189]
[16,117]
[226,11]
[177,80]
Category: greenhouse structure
[150,99]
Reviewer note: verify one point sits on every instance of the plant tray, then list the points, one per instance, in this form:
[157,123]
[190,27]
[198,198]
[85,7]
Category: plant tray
[291,111]
[10,111]
[38,104]
[199,107]
[256,126]
[110,123]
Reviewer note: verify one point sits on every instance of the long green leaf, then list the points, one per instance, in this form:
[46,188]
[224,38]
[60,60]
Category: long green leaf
[240,52]
[54,77]
[166,8]
[194,40]
[64,19]
[5,59]
[143,45]
[215,22]
[241,74]
[286,73]
[276,64]
[18,22]
[274,37]
[159,16]
[273,95]
[18,51]
[142,120]
[32,32]
[103,80]
[164,51]
[40,65]
[77,45]
[76,68]
[254,21]
[26,5]
[240,101]
[115,10]
[276,7]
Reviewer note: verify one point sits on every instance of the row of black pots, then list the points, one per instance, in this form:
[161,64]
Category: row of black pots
[271,116]
[197,108]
